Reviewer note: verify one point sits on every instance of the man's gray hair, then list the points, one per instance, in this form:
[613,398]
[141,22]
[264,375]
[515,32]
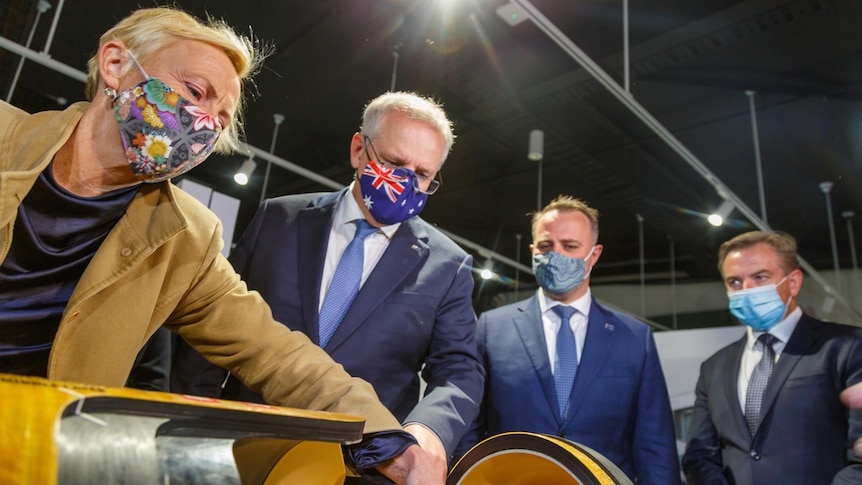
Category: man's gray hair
[416,107]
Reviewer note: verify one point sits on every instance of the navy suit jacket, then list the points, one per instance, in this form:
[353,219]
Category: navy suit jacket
[414,309]
[805,435]
[619,405]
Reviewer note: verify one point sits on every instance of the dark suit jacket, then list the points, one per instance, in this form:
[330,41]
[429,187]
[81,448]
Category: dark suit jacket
[414,309]
[804,435]
[619,405]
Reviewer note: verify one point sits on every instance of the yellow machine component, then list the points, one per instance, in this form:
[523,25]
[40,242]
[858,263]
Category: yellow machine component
[530,458]
[65,433]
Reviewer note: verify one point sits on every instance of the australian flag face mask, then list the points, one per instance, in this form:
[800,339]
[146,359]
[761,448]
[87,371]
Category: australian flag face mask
[390,194]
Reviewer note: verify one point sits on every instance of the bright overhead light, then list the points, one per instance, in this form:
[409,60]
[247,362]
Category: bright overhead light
[486,274]
[717,218]
[245,170]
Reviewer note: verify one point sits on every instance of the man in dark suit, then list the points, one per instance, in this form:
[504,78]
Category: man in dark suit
[767,407]
[561,364]
[413,310]
[852,397]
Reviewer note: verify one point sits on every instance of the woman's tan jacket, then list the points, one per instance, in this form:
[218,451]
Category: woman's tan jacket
[161,265]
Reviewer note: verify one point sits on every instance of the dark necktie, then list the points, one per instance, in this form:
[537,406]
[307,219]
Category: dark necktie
[345,282]
[759,379]
[567,357]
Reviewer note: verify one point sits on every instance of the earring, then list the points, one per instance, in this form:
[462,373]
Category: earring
[110,92]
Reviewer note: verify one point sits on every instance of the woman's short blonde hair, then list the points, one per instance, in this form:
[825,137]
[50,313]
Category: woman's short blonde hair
[148,30]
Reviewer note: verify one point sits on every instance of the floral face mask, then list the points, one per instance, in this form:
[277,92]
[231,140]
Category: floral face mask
[163,133]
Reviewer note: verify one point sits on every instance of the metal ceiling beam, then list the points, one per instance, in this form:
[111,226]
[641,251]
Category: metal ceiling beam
[43,59]
[627,100]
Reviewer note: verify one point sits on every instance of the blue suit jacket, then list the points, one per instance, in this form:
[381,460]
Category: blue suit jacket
[414,309]
[619,405]
[805,434]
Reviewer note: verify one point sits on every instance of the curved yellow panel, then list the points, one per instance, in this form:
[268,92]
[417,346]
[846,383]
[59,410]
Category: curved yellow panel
[517,467]
[528,458]
[309,462]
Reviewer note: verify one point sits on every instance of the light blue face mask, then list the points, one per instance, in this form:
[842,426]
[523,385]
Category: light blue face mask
[559,274]
[760,308]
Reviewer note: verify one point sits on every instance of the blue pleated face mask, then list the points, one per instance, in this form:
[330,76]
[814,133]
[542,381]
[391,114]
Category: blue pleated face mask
[761,308]
[559,274]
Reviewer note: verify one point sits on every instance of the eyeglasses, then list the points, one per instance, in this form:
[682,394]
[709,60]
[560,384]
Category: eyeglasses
[431,184]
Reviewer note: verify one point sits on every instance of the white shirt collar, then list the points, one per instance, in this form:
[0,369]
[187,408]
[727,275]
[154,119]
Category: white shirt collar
[582,304]
[782,330]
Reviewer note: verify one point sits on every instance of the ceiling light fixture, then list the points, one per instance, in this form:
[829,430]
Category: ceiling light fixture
[536,151]
[513,14]
[488,271]
[245,170]
[826,188]
[717,218]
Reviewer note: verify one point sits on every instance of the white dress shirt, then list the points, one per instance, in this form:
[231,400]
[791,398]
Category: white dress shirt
[753,352]
[341,233]
[551,323]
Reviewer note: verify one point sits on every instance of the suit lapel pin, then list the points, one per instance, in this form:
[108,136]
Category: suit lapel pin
[609,326]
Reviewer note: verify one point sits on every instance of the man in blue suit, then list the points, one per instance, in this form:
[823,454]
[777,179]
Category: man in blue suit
[613,398]
[768,407]
[413,311]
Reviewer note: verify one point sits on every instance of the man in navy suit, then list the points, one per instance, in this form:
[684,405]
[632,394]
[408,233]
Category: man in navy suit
[852,397]
[413,311]
[768,407]
[614,398]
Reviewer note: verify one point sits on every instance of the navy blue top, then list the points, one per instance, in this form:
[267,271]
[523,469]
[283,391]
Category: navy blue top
[56,235]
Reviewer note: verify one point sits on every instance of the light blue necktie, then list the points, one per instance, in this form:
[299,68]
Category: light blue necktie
[567,357]
[345,282]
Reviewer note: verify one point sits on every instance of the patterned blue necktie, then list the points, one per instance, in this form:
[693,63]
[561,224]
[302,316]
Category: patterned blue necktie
[567,357]
[345,282]
[758,382]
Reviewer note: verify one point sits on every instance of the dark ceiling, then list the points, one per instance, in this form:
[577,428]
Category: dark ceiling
[691,63]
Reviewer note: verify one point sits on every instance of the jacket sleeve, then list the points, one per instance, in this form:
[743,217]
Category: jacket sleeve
[851,371]
[452,370]
[233,328]
[702,461]
[476,431]
[655,455]
[191,373]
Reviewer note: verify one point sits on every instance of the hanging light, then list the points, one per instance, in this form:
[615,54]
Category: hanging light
[717,218]
[488,271]
[537,145]
[245,170]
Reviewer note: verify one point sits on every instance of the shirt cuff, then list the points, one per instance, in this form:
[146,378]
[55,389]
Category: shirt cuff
[376,449]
